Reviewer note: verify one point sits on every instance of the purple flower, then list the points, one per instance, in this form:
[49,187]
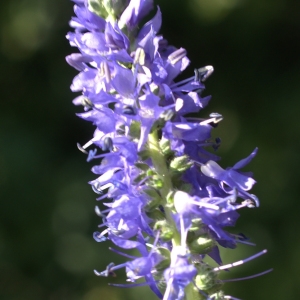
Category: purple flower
[162,190]
[135,11]
[179,274]
[231,178]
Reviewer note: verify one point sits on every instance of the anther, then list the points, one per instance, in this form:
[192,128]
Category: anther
[177,55]
[203,73]
[139,57]
[96,189]
[217,144]
[104,70]
[81,149]
[98,212]
[215,118]
[196,78]
[120,129]
[86,102]
[218,140]
[242,237]
[109,271]
[128,110]
[107,144]
[249,203]
[215,115]
[167,115]
[232,198]
[118,231]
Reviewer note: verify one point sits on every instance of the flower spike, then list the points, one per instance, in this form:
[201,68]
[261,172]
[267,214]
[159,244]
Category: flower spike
[156,174]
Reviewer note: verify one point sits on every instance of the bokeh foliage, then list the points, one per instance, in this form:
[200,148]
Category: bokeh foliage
[46,212]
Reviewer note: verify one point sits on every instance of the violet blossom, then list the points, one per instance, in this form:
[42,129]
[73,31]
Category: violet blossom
[164,193]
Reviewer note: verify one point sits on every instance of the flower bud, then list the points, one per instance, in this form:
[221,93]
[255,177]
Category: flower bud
[97,7]
[166,231]
[180,164]
[206,279]
[135,129]
[170,201]
[201,245]
[107,8]
[155,180]
[154,199]
[139,57]
[196,224]
[165,147]
[165,262]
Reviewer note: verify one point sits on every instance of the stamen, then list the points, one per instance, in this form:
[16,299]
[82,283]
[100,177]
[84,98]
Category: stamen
[167,115]
[196,78]
[139,57]
[81,149]
[118,231]
[101,213]
[86,102]
[249,277]
[203,73]
[103,224]
[99,237]
[128,285]
[240,262]
[242,237]
[216,119]
[249,203]
[255,199]
[120,129]
[122,253]
[96,189]
[182,82]
[205,205]
[128,110]
[183,232]
[215,115]
[200,76]
[105,186]
[108,270]
[92,154]
[89,143]
[217,144]
[104,70]
[177,55]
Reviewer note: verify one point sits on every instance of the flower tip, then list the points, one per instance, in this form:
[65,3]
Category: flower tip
[97,273]
[81,149]
[203,73]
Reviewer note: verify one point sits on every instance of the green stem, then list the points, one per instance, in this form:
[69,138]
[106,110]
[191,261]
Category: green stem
[190,293]
[162,170]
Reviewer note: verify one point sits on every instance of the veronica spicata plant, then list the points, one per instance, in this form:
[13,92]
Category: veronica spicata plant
[164,192]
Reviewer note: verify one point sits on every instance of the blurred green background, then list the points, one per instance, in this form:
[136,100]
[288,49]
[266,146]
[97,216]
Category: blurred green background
[47,209]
